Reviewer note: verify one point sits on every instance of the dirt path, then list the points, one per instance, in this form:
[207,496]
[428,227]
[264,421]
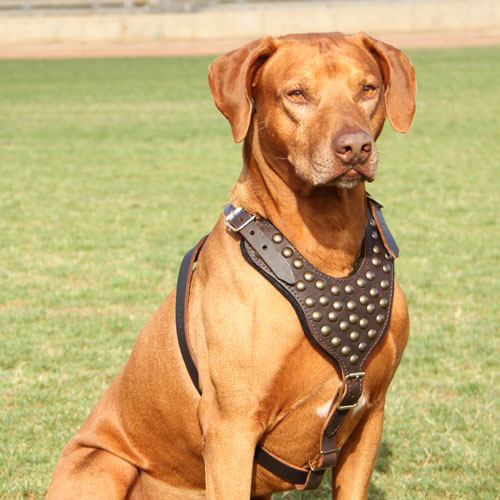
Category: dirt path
[200,47]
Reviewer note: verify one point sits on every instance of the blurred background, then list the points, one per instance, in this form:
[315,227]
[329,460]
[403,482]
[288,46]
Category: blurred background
[179,25]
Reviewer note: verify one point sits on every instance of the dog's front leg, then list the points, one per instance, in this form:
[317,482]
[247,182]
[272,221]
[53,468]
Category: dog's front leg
[357,459]
[229,442]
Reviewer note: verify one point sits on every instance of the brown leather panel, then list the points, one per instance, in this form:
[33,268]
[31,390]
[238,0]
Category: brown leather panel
[345,317]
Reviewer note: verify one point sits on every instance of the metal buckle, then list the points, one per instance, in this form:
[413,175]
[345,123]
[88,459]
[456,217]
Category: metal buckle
[242,221]
[325,467]
[350,376]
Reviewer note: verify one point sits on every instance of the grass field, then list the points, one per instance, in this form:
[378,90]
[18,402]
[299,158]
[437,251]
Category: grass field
[111,169]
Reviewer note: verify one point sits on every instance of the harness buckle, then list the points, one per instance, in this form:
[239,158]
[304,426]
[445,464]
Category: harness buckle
[315,468]
[238,219]
[350,376]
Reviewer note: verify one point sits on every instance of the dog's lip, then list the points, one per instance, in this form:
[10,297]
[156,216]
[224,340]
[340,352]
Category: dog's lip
[351,173]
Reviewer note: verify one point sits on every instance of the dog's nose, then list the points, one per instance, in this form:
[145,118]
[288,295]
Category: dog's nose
[353,147]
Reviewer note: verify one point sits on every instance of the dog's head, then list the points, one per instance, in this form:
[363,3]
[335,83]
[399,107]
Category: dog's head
[320,101]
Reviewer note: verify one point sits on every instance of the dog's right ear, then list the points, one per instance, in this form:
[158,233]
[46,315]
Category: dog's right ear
[230,77]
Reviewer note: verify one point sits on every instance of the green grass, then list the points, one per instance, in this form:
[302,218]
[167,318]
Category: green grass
[111,169]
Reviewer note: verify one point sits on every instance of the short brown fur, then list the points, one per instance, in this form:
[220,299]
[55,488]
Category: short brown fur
[151,436]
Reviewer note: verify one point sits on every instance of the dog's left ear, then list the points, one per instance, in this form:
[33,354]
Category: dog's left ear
[399,79]
[230,77]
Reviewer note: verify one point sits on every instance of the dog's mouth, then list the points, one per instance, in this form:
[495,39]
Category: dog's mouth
[351,177]
[352,174]
[331,172]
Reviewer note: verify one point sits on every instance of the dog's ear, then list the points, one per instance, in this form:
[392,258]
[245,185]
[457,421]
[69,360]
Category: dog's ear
[399,79]
[230,77]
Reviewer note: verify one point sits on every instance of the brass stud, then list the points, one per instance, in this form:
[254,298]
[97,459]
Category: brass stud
[380,318]
[372,223]
[370,308]
[363,300]
[376,261]
[374,235]
[363,323]
[372,334]
[325,330]
[373,292]
[362,346]
[310,302]
[277,238]
[324,301]
[308,276]
[344,326]
[332,316]
[349,289]
[376,249]
[287,252]
[384,284]
[336,341]
[351,305]
[387,256]
[354,336]
[317,316]
[370,275]
[320,284]
[386,268]
[353,318]
[384,303]
[361,282]
[345,351]
[301,286]
[337,305]
[298,263]
[335,290]
[354,359]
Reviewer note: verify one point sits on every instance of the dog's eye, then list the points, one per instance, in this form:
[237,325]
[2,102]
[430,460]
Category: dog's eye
[296,95]
[369,90]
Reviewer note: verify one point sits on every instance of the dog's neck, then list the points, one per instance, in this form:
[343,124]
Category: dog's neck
[325,224]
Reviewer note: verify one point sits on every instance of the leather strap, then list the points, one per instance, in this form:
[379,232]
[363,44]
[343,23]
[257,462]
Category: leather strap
[386,235]
[280,468]
[241,221]
[181,309]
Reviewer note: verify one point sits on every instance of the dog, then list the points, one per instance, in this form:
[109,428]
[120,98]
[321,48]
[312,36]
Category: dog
[309,109]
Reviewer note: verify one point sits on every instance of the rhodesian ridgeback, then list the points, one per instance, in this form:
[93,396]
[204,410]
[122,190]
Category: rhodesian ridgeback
[309,109]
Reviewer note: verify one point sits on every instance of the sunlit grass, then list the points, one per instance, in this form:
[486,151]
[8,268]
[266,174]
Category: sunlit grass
[111,169]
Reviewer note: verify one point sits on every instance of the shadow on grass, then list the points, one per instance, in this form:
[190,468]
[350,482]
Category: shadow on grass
[382,466]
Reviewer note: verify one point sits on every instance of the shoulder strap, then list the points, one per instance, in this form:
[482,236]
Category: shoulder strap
[385,233]
[181,308]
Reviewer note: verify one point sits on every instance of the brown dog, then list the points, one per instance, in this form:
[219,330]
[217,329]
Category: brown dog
[309,108]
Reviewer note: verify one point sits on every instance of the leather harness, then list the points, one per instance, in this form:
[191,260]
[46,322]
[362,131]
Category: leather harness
[343,317]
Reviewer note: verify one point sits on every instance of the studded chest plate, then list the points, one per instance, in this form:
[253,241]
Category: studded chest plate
[345,317]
